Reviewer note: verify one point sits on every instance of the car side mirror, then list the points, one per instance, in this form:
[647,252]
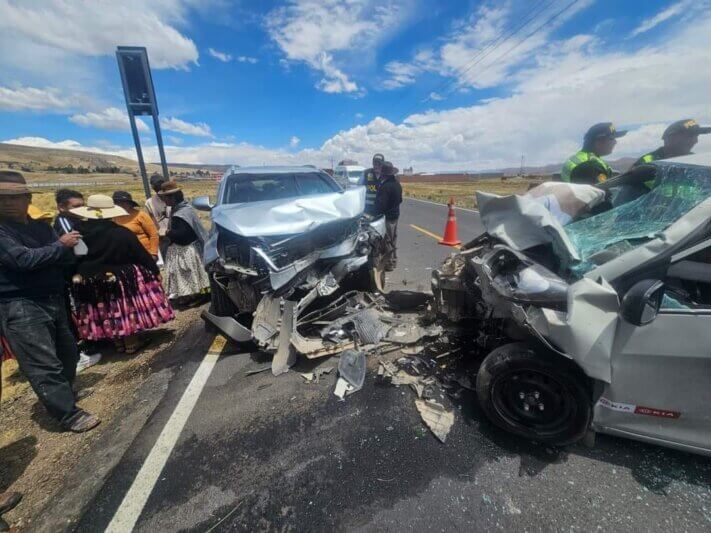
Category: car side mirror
[202,203]
[642,301]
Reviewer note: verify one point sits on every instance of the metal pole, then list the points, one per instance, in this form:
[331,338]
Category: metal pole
[139,152]
[159,138]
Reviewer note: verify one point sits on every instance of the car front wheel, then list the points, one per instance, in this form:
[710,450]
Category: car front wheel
[220,302]
[534,395]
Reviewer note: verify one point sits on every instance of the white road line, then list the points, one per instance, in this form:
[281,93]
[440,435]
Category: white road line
[437,203]
[135,499]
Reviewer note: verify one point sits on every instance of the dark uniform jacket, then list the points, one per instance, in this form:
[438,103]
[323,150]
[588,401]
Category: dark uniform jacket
[651,156]
[371,183]
[389,198]
[32,260]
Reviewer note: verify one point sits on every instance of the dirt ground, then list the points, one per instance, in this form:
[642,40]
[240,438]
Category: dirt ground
[463,192]
[34,454]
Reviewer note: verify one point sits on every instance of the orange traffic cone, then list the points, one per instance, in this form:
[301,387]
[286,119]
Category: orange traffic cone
[450,230]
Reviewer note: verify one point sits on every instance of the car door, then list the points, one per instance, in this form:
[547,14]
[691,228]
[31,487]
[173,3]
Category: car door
[660,387]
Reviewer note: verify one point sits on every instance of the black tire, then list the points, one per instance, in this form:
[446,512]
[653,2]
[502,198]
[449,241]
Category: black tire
[220,303]
[534,395]
[366,279]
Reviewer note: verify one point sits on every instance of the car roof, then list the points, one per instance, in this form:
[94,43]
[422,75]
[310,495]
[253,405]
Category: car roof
[272,170]
[702,159]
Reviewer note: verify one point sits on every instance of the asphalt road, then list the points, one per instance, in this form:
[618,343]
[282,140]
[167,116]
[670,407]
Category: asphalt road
[265,453]
[418,252]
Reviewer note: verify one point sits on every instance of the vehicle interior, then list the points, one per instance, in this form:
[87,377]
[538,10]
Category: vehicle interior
[247,188]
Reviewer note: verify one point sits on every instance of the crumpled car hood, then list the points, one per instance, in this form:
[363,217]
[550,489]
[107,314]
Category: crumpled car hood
[289,216]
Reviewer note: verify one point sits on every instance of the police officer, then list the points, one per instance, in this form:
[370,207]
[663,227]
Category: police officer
[679,138]
[587,166]
[372,182]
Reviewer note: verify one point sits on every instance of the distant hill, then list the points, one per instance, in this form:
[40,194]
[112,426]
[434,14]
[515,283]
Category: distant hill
[622,164]
[31,159]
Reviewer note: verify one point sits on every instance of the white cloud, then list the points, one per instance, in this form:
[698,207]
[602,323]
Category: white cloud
[319,32]
[435,96]
[41,142]
[664,15]
[400,74]
[483,49]
[568,86]
[226,58]
[96,28]
[294,141]
[222,56]
[116,119]
[110,118]
[199,129]
[35,99]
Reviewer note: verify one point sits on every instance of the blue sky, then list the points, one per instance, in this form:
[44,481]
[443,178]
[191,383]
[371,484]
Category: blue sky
[436,85]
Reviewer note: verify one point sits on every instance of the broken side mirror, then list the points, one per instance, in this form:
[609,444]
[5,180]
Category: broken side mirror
[642,301]
[202,203]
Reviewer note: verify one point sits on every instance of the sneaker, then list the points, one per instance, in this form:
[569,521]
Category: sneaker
[81,422]
[85,360]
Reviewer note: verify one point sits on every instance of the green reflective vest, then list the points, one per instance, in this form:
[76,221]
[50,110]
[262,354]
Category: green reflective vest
[648,159]
[583,157]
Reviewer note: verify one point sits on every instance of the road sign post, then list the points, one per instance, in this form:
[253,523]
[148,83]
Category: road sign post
[140,100]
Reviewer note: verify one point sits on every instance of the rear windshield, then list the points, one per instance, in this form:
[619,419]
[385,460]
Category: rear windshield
[246,188]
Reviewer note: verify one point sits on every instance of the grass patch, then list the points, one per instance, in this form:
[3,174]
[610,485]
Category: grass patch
[464,192]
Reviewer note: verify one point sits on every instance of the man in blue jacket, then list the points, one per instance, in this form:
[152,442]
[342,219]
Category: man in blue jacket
[33,311]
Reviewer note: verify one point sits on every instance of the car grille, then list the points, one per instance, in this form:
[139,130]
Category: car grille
[285,249]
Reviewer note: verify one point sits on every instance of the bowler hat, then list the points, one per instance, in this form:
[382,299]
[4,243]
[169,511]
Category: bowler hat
[169,187]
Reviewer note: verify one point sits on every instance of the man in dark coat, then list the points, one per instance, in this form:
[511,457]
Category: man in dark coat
[33,310]
[387,202]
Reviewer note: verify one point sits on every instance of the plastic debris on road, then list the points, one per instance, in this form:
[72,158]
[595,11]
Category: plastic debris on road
[437,418]
[315,376]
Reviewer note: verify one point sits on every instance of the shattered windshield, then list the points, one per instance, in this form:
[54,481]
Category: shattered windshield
[677,190]
[247,188]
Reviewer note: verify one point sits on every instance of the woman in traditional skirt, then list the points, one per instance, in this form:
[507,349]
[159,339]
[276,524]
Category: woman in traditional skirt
[185,276]
[117,291]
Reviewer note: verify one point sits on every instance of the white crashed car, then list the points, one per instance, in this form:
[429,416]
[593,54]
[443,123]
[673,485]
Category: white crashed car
[595,305]
[282,240]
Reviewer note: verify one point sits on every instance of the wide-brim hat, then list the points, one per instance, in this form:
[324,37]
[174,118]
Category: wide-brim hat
[35,213]
[169,187]
[13,183]
[123,197]
[98,207]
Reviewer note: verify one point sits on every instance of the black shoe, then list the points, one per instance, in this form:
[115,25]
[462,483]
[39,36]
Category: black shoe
[81,422]
[80,394]
[8,501]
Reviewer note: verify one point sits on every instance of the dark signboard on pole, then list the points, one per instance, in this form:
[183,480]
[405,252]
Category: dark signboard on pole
[140,100]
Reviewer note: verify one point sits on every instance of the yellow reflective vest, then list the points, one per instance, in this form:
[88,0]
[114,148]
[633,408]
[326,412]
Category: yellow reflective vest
[583,157]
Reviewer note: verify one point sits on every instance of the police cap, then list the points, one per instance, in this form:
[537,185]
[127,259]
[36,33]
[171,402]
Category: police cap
[603,130]
[687,125]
